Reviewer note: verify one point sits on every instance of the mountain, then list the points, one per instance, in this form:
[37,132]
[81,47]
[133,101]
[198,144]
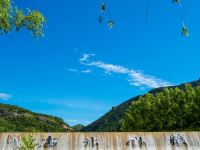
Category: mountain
[16,119]
[77,127]
[110,121]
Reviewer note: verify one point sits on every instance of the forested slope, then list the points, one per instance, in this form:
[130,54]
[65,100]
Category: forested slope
[110,121]
[14,118]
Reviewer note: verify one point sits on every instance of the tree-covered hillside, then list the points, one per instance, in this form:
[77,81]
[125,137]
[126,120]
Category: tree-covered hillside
[110,121]
[13,118]
[173,109]
[77,128]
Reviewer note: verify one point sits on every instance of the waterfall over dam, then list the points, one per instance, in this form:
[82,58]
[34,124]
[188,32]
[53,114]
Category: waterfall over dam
[106,141]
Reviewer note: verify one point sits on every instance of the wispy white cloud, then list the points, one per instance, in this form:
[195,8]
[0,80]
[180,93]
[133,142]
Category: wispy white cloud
[80,71]
[4,96]
[135,77]
[73,70]
[86,71]
[85,57]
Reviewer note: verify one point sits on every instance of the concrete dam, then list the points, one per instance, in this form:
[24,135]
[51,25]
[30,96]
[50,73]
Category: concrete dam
[105,141]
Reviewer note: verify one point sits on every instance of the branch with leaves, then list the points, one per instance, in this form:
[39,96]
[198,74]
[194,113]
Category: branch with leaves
[185,31]
[105,9]
[14,18]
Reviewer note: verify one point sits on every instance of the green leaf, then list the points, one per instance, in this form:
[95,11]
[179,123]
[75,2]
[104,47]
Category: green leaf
[110,24]
[103,7]
[185,31]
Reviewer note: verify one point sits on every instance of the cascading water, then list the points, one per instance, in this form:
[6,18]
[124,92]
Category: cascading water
[106,141]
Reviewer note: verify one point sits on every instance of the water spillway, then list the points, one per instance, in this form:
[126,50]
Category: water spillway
[106,141]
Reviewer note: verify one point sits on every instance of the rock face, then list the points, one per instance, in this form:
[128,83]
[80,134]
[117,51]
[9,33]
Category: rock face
[106,141]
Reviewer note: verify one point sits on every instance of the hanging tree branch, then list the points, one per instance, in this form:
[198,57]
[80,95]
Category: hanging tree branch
[185,31]
[105,9]
[14,18]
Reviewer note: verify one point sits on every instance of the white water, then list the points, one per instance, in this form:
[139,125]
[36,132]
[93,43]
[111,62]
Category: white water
[107,141]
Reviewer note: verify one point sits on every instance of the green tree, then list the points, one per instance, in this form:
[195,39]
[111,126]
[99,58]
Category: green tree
[14,18]
[172,109]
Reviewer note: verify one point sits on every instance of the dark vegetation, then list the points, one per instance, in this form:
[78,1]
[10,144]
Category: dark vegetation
[13,118]
[161,109]
[77,127]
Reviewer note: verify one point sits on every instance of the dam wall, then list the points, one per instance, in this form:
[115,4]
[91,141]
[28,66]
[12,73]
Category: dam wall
[106,141]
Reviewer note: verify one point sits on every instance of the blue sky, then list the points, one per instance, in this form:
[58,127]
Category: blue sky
[80,69]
